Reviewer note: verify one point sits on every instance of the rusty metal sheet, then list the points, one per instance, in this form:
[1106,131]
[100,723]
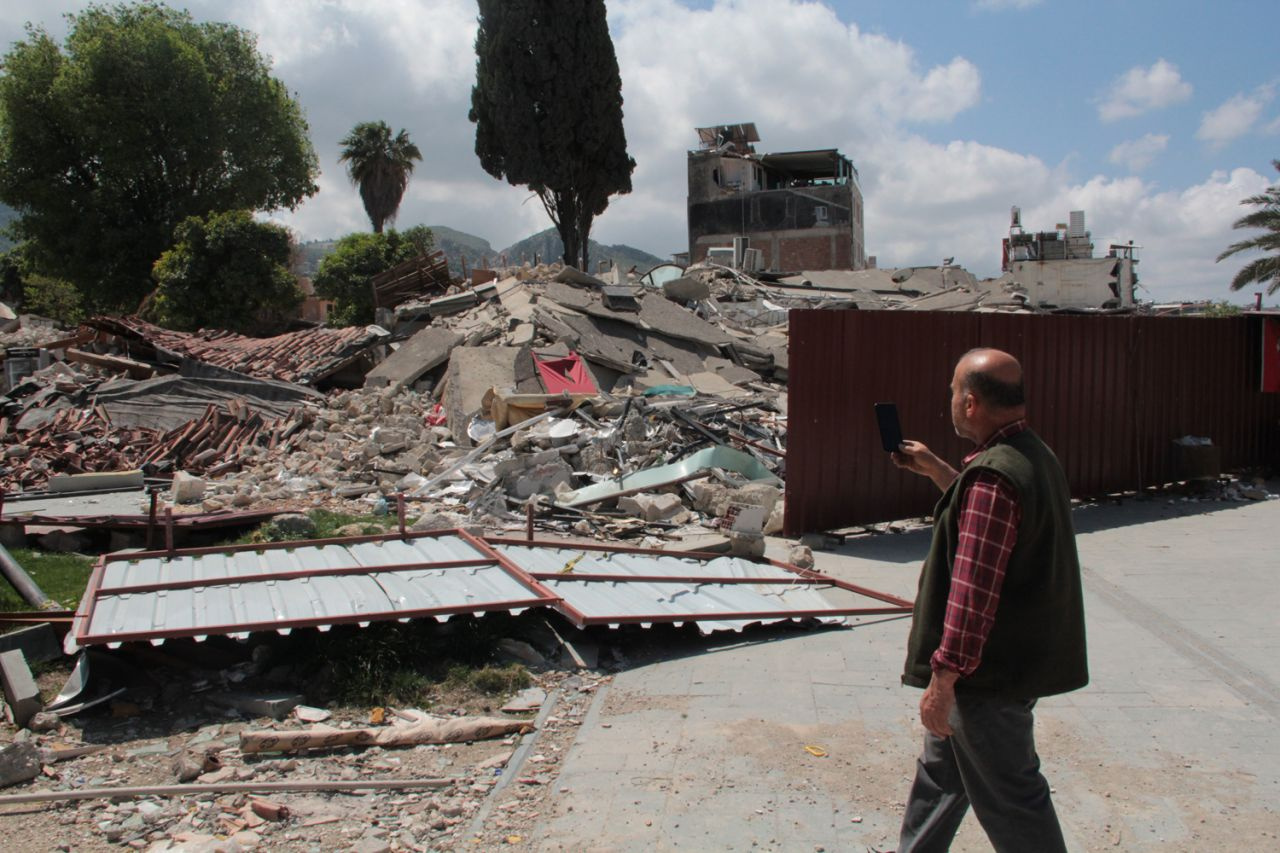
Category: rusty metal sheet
[1108,393]
[304,356]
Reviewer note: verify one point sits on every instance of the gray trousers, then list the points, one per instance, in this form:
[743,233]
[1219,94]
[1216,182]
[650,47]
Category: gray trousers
[989,762]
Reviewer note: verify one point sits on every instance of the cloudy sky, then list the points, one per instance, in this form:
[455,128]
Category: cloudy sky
[1156,118]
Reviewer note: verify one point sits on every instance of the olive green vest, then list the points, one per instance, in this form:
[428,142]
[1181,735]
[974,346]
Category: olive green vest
[1037,645]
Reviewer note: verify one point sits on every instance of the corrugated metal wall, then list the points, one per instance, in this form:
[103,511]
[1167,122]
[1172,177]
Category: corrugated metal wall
[1108,393]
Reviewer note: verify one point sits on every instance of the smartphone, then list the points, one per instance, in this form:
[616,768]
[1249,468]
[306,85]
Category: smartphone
[890,429]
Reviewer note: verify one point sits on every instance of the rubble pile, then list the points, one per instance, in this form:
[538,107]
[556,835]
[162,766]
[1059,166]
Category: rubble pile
[174,772]
[543,390]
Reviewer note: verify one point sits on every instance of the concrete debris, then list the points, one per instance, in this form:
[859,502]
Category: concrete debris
[21,696]
[634,375]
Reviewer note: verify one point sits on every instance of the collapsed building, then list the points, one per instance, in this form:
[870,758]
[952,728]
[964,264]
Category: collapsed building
[1057,269]
[790,210]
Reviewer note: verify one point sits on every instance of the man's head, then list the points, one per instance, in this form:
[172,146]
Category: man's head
[986,393]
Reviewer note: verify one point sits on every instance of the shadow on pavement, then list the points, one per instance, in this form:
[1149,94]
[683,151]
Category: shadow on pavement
[1179,502]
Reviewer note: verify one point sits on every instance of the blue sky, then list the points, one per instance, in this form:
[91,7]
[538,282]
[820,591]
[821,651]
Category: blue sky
[1155,118]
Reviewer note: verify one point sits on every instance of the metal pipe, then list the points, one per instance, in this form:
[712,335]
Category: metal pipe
[151,518]
[22,582]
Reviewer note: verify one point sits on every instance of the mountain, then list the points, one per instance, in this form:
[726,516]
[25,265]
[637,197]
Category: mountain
[547,247]
[459,244]
[309,255]
[477,251]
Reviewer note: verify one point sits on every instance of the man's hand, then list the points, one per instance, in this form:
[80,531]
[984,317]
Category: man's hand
[917,458]
[938,700]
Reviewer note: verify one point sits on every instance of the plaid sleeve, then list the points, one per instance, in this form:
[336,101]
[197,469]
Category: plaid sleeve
[989,518]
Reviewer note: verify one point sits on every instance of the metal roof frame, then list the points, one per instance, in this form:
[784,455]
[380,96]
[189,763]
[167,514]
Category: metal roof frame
[154,596]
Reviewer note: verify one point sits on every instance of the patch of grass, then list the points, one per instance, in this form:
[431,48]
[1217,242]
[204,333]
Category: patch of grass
[328,524]
[490,680]
[417,663]
[62,577]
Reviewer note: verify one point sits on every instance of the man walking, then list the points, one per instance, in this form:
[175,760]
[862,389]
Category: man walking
[998,621]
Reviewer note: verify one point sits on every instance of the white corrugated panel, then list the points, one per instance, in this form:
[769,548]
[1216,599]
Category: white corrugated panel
[677,601]
[254,603]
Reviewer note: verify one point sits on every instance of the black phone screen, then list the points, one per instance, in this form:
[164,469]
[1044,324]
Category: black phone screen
[890,428]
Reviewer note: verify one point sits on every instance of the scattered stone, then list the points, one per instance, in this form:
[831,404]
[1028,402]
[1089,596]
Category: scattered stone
[19,762]
[187,489]
[294,525]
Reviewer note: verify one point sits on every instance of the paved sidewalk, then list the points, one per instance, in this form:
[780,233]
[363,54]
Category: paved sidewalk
[1171,747]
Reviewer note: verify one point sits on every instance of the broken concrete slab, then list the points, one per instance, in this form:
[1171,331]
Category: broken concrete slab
[96,481]
[527,700]
[714,385]
[516,299]
[424,351]
[662,507]
[573,275]
[473,371]
[274,705]
[20,691]
[38,643]
[685,289]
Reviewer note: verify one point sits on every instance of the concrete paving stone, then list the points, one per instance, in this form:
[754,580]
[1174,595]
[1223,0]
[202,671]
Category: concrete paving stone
[1184,672]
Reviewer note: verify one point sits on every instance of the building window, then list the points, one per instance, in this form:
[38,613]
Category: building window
[820,215]
[715,177]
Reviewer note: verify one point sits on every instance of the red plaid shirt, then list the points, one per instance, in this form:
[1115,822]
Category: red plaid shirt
[989,517]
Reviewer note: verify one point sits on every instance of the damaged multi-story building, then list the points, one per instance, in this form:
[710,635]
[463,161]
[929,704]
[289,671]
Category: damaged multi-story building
[1057,269]
[786,211]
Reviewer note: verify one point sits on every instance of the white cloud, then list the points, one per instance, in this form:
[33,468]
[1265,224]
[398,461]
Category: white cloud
[1141,90]
[411,63]
[1137,154]
[1234,117]
[1181,232]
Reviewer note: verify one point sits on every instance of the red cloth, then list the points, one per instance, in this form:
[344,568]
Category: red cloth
[565,375]
[988,530]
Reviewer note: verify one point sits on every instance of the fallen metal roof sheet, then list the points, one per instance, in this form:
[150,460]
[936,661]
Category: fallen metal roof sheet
[197,593]
[304,356]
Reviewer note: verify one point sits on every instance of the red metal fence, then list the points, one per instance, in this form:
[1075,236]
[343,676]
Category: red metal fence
[1108,393]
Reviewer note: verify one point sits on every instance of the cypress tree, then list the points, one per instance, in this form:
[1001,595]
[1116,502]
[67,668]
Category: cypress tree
[547,105]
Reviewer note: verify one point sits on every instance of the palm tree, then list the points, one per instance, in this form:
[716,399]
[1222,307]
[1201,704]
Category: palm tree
[379,165]
[1264,270]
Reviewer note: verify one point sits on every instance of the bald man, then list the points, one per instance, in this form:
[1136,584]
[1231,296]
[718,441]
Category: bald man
[998,621]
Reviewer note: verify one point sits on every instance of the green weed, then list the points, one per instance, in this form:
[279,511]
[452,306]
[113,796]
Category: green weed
[62,577]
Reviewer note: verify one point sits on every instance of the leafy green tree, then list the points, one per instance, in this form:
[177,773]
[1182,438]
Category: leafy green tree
[1265,270]
[547,105]
[380,165]
[226,271]
[142,119]
[344,274]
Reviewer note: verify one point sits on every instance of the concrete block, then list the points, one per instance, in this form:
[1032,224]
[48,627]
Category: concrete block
[686,289]
[187,489]
[38,643]
[427,349]
[20,691]
[274,705]
[661,507]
